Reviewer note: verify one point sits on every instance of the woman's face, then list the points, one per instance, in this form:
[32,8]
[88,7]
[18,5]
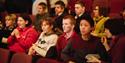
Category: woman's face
[67,26]
[85,27]
[21,22]
[96,11]
[9,22]
[46,28]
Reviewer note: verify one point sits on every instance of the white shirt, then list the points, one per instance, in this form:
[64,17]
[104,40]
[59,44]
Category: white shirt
[44,43]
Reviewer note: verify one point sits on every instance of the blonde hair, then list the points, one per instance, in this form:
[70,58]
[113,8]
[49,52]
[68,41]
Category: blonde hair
[11,17]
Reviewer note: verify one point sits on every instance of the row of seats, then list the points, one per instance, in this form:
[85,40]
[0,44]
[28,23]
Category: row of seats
[16,58]
[5,57]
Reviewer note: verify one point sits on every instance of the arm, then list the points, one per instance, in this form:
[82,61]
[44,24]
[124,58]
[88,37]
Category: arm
[31,37]
[13,36]
[104,57]
[31,50]
[118,52]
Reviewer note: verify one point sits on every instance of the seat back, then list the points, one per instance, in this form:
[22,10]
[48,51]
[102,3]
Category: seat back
[46,60]
[4,55]
[21,58]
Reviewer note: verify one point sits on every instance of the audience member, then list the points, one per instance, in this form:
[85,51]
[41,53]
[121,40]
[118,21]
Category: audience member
[114,30]
[22,37]
[87,48]
[10,24]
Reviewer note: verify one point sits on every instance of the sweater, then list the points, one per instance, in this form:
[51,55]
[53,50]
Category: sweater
[28,36]
[77,50]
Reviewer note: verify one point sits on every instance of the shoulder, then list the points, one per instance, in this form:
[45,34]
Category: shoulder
[53,36]
[31,29]
[62,36]
[121,40]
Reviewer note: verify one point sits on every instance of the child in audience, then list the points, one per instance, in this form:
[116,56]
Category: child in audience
[46,39]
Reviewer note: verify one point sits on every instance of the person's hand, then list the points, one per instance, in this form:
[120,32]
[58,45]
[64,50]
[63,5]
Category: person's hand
[105,42]
[71,62]
[4,40]
[15,33]
[31,51]
[93,59]
[34,46]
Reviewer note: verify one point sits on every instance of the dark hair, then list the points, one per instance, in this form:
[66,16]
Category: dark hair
[104,11]
[43,5]
[80,3]
[61,3]
[88,19]
[116,26]
[26,17]
[123,8]
[73,21]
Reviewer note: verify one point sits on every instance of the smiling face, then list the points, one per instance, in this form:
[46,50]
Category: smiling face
[85,27]
[9,22]
[21,22]
[67,26]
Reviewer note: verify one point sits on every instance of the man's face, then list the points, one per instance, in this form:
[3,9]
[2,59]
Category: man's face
[67,26]
[58,9]
[40,9]
[79,9]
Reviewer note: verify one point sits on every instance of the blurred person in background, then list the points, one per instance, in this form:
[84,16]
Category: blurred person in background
[6,30]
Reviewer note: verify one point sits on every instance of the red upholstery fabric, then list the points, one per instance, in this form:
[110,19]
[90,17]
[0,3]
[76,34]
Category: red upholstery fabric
[4,55]
[21,58]
[46,60]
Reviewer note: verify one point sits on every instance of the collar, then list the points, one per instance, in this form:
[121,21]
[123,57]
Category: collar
[77,16]
[64,35]
[49,33]
[60,14]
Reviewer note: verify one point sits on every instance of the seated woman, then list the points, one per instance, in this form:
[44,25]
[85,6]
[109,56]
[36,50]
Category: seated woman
[86,48]
[6,29]
[46,39]
[23,36]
